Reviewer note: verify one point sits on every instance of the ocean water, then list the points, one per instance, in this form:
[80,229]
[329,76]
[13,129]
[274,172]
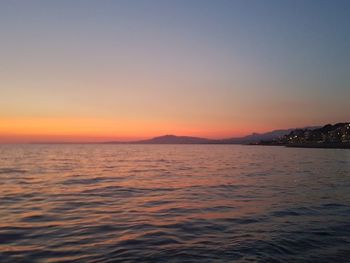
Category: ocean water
[173,203]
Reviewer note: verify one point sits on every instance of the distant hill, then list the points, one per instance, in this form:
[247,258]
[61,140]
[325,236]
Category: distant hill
[257,137]
[173,139]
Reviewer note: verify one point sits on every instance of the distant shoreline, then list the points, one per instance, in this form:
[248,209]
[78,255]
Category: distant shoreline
[322,146]
[309,145]
[335,136]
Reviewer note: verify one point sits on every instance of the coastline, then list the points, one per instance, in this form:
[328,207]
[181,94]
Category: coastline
[320,145]
[309,145]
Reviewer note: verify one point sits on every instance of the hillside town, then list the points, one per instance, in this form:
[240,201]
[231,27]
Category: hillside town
[329,136]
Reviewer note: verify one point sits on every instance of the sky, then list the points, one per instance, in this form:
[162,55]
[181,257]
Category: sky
[132,69]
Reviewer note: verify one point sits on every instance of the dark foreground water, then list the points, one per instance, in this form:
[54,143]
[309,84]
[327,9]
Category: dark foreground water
[173,203]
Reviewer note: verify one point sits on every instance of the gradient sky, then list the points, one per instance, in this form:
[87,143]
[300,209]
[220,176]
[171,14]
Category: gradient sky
[96,70]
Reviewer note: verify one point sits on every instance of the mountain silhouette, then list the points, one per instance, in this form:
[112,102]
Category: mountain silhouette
[173,139]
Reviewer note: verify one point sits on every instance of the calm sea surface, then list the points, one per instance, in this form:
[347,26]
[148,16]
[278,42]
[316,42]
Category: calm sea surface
[173,203]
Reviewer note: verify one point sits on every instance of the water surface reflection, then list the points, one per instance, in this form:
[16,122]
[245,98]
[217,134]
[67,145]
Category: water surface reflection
[103,203]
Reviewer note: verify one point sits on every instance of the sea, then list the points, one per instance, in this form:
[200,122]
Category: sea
[173,203]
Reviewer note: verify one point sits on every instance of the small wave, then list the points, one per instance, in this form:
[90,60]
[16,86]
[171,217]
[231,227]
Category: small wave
[87,180]
[11,170]
[10,237]
[298,211]
[37,218]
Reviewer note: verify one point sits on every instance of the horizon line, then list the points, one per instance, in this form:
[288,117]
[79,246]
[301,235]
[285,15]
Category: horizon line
[135,140]
[83,139]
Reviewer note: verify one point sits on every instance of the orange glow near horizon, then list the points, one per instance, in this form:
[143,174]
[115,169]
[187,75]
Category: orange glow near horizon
[96,130]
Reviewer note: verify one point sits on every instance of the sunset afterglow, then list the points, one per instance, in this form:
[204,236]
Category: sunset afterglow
[125,70]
